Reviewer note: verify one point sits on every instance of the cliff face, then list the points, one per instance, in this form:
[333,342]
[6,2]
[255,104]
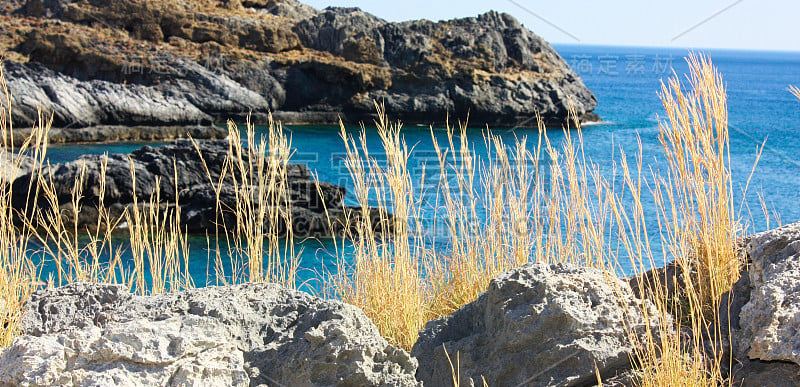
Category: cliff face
[169,62]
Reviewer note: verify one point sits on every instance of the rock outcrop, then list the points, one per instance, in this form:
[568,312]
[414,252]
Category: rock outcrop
[253,334]
[771,319]
[167,62]
[13,165]
[191,174]
[764,311]
[539,324]
[171,352]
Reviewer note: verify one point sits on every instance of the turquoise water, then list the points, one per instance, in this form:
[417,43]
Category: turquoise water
[626,82]
[761,110]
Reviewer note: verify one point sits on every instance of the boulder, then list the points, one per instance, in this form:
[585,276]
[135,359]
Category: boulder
[276,335]
[171,352]
[539,324]
[13,165]
[771,319]
[291,9]
[763,311]
[331,29]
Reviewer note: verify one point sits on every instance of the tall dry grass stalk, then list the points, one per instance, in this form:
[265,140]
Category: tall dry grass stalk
[80,255]
[384,281]
[18,276]
[693,197]
[795,91]
[697,193]
[498,212]
[158,243]
[260,246]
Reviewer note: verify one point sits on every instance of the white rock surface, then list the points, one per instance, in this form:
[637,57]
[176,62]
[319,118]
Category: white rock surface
[256,334]
[190,351]
[770,321]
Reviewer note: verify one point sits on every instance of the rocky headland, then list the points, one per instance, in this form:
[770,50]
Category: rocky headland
[173,63]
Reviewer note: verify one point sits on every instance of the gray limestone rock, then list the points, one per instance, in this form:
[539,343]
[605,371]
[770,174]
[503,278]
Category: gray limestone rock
[282,337]
[539,324]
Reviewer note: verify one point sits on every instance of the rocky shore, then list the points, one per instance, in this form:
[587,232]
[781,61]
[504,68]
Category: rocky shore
[188,172]
[174,63]
[539,324]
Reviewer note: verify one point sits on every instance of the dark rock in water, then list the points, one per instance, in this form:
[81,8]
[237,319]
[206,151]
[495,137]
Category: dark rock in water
[186,63]
[536,325]
[253,334]
[178,169]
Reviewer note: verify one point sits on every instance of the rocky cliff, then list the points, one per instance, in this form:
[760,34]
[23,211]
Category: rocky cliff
[169,62]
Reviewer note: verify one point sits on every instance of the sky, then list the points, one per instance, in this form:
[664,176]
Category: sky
[726,24]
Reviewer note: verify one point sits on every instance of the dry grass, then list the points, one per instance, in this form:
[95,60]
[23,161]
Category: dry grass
[503,212]
[698,230]
[499,212]
[513,206]
[697,190]
[18,276]
[157,242]
[385,278]
[260,245]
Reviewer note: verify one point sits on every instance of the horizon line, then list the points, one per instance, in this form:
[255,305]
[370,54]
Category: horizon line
[688,48]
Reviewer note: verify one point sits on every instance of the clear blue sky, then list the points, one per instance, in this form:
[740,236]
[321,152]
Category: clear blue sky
[740,24]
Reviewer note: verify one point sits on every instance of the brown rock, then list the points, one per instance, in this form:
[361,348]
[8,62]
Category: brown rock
[363,50]
[273,39]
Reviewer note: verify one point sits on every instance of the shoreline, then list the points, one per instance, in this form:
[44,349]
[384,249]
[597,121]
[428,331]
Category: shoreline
[102,134]
[121,133]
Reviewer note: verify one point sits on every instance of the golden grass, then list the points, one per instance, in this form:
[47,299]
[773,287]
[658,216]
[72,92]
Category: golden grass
[693,197]
[700,226]
[260,245]
[498,213]
[263,237]
[385,279]
[549,203]
[17,275]
[573,214]
[157,242]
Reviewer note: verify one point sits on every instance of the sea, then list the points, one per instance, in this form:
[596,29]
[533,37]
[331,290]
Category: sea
[763,114]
